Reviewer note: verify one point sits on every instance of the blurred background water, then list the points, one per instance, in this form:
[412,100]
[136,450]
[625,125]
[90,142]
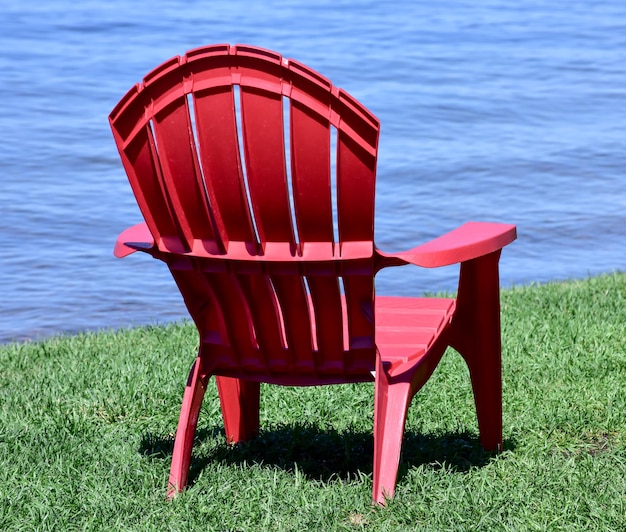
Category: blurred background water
[495,110]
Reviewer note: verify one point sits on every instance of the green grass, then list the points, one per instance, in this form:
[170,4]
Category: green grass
[86,433]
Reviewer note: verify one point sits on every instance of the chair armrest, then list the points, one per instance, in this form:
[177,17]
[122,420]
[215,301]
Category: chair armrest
[135,238]
[469,241]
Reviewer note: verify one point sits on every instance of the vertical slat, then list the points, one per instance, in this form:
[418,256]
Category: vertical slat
[310,163]
[205,311]
[219,153]
[144,177]
[357,145]
[359,296]
[356,174]
[326,298]
[267,319]
[292,298]
[262,119]
[238,319]
[176,148]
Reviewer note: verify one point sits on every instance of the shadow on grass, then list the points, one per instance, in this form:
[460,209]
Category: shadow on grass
[325,454]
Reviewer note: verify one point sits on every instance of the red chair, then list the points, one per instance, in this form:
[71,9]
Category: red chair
[269,235]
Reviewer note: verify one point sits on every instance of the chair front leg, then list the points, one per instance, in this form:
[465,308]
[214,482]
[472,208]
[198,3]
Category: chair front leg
[391,402]
[187,423]
[476,336]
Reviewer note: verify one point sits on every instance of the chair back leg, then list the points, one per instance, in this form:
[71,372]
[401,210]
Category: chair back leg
[240,401]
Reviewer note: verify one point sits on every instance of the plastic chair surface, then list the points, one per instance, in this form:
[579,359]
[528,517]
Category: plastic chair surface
[256,180]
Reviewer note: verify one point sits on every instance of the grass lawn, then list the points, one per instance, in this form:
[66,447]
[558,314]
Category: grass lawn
[87,422]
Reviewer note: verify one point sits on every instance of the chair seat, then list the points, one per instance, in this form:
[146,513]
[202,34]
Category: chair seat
[406,327]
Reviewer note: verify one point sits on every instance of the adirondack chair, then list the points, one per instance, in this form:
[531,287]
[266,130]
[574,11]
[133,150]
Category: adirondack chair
[228,152]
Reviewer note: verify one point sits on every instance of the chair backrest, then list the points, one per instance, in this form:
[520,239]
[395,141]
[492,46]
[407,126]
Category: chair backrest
[256,176]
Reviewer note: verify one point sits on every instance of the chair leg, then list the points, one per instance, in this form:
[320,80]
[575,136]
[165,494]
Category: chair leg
[478,341]
[486,379]
[240,400]
[187,423]
[390,409]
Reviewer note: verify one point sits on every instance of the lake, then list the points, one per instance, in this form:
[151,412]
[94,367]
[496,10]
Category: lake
[496,111]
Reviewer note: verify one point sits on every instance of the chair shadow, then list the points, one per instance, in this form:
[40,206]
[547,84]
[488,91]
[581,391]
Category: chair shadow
[325,454]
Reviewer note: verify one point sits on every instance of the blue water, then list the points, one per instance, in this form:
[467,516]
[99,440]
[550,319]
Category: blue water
[494,110]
